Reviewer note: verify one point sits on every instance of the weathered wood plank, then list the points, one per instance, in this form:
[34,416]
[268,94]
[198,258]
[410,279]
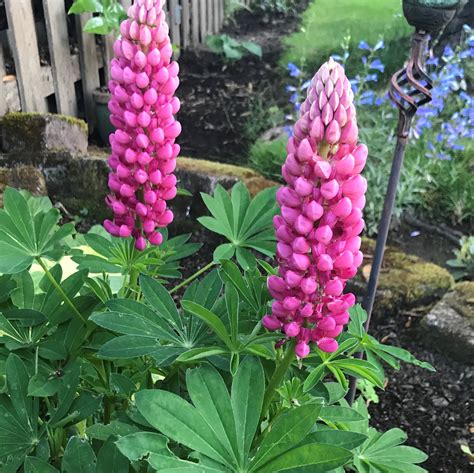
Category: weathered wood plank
[195,22]
[3,89]
[108,55]
[89,67]
[203,19]
[61,64]
[215,9]
[210,16]
[175,22]
[25,53]
[185,23]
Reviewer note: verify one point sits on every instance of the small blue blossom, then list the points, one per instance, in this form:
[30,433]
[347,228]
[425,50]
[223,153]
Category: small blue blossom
[377,65]
[364,45]
[295,71]
[380,45]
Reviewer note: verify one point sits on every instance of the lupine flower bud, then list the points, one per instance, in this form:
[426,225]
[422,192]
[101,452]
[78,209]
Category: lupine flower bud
[318,246]
[142,107]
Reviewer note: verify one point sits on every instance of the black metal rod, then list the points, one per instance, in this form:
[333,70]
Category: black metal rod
[413,77]
[384,227]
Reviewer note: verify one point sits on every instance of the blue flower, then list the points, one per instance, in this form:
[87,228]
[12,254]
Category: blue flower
[305,85]
[380,45]
[364,45]
[295,71]
[377,65]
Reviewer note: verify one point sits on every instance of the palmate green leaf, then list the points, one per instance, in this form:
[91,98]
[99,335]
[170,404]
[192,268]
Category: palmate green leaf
[180,421]
[361,368]
[128,346]
[17,386]
[245,222]
[384,452]
[25,235]
[79,457]
[211,319]
[23,296]
[288,431]
[16,436]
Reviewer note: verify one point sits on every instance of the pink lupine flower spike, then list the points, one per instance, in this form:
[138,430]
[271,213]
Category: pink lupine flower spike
[318,230]
[142,109]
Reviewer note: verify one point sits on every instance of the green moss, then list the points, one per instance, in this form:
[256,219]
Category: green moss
[406,279]
[462,299]
[254,181]
[33,121]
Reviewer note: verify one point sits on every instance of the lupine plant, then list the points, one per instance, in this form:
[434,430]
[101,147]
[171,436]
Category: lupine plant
[108,364]
[435,178]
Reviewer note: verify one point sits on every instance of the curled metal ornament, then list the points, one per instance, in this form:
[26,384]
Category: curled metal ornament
[411,86]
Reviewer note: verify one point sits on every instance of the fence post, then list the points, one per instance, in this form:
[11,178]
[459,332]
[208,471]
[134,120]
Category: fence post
[22,38]
[89,67]
[61,63]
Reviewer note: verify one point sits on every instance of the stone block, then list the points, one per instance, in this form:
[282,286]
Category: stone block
[449,327]
[22,177]
[406,281]
[36,133]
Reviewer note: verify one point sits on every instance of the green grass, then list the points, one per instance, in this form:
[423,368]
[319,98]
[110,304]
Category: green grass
[326,22]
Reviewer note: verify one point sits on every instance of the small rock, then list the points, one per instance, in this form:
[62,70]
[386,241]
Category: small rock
[449,327]
[39,133]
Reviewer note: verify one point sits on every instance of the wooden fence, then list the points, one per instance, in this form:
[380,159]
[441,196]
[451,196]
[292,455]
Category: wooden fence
[66,82]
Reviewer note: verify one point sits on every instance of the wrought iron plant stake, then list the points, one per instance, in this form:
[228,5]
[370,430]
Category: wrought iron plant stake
[410,89]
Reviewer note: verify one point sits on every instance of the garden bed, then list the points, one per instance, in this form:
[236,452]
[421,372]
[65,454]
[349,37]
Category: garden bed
[225,104]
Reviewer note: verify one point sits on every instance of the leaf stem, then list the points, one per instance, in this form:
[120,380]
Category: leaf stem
[193,277]
[58,287]
[278,375]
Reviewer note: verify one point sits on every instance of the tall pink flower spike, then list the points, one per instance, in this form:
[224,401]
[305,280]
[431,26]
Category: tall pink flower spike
[142,106]
[321,217]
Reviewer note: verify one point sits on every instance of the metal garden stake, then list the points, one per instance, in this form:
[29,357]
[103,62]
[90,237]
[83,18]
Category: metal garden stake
[410,89]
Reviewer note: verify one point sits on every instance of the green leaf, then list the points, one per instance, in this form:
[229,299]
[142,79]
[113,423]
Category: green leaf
[115,428]
[17,385]
[340,438]
[180,421]
[154,448]
[209,395]
[110,459]
[252,48]
[247,400]
[23,296]
[314,377]
[199,353]
[42,386]
[159,298]
[224,251]
[405,356]
[287,432]
[36,465]
[310,458]
[142,444]
[361,368]
[128,346]
[86,6]
[79,457]
[211,319]
[98,25]
[340,414]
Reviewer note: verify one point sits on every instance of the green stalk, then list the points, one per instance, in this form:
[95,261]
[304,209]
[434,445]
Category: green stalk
[278,375]
[193,277]
[60,290]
